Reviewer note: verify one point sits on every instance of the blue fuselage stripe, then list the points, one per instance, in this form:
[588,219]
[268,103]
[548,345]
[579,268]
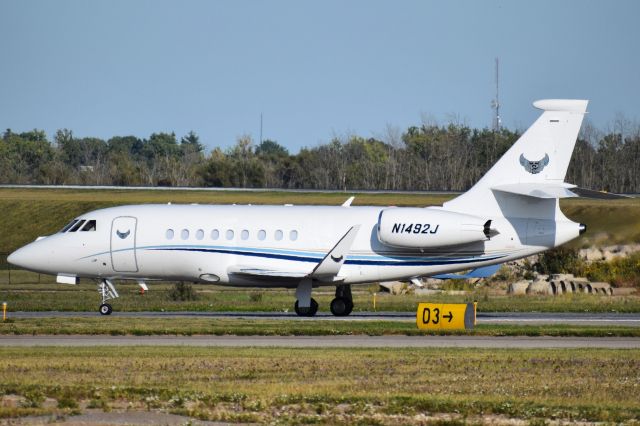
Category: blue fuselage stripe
[429,262]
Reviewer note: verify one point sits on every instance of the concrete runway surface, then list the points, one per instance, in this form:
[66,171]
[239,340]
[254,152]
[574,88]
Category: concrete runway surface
[513,318]
[519,342]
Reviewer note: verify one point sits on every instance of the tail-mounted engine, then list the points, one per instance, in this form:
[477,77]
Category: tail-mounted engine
[428,227]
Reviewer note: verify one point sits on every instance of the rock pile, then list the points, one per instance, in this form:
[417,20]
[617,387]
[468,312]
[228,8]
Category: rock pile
[608,253]
[559,284]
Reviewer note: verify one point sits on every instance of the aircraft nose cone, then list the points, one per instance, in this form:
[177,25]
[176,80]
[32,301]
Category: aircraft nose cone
[18,258]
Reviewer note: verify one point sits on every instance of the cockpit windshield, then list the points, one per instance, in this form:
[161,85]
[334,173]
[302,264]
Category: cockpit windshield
[82,225]
[89,226]
[69,225]
[77,226]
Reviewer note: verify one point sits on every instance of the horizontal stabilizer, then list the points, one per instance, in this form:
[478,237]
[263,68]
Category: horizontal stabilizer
[484,272]
[598,195]
[538,190]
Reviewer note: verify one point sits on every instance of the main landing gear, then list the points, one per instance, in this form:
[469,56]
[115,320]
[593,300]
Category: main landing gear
[306,311]
[108,292]
[342,305]
[306,306]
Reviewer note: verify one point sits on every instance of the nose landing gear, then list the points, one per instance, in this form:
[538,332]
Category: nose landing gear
[106,309]
[108,292]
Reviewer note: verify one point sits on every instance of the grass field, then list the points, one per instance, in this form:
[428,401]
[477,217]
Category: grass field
[84,297]
[181,326]
[328,386]
[28,213]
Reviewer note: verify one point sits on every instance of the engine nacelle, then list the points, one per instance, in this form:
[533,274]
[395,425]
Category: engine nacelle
[427,227]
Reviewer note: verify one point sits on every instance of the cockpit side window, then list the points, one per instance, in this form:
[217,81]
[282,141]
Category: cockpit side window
[69,225]
[77,226]
[89,226]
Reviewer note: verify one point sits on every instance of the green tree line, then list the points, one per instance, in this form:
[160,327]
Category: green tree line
[448,157]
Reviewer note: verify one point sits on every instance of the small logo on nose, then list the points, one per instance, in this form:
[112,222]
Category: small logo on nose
[123,235]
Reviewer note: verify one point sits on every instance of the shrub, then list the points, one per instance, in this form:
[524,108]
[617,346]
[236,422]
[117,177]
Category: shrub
[33,399]
[622,272]
[67,402]
[560,261]
[182,291]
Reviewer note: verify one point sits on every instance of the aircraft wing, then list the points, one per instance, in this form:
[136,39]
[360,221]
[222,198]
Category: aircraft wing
[266,274]
[484,272]
[326,270]
[329,267]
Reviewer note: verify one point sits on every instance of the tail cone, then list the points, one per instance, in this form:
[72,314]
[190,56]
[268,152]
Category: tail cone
[583,228]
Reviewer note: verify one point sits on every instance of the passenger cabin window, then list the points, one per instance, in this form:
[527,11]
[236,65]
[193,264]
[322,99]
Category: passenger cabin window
[200,234]
[184,234]
[169,234]
[293,235]
[229,234]
[245,234]
[215,234]
[278,235]
[69,225]
[262,234]
[77,226]
[89,226]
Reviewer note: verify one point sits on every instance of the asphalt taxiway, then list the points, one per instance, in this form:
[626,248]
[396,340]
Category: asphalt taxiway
[360,341]
[513,318]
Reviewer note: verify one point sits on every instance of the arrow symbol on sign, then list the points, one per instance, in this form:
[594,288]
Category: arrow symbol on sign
[450,316]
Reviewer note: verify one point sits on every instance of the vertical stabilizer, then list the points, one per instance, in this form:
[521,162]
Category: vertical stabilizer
[540,157]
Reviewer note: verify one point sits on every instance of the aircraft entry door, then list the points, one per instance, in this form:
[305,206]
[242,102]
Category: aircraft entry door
[123,244]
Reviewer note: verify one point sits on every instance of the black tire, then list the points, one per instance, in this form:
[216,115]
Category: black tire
[341,307]
[105,309]
[306,312]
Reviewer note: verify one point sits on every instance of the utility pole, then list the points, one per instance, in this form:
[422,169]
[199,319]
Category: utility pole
[495,103]
[260,128]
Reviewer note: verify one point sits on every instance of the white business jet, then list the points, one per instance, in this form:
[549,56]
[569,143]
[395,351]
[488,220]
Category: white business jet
[512,212]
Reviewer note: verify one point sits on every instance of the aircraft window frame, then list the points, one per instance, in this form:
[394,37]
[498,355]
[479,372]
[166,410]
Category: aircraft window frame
[215,234]
[89,226]
[262,235]
[69,225]
[293,235]
[169,234]
[278,235]
[229,234]
[244,234]
[200,234]
[184,234]
[77,226]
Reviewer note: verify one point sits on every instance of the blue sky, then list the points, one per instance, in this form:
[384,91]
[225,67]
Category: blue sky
[314,69]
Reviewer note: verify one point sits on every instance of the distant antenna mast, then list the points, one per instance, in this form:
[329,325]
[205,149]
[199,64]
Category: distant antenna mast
[260,128]
[495,104]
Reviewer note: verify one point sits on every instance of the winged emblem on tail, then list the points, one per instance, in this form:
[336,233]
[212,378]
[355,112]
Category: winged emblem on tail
[534,167]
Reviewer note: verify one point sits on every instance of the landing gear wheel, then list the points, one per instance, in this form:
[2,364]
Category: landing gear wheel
[108,291]
[106,309]
[307,312]
[341,306]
